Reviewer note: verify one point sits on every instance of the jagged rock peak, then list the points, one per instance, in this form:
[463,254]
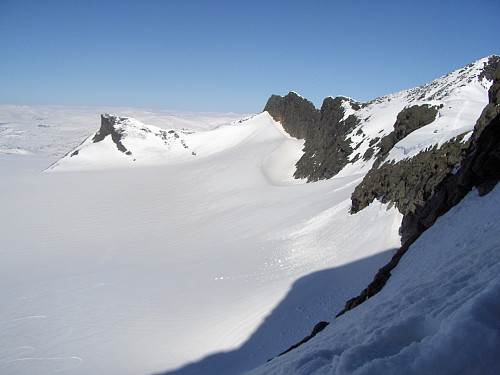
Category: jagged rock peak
[109,127]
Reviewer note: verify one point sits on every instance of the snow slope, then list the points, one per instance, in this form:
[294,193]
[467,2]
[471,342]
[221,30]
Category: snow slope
[438,314]
[54,130]
[199,263]
[143,270]
[460,97]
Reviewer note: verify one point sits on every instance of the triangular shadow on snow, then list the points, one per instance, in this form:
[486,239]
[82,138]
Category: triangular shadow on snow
[311,299]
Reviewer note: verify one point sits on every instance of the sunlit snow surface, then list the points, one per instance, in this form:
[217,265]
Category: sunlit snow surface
[211,258]
[438,314]
[142,270]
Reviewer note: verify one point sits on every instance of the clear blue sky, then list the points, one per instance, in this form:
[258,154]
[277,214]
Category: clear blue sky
[232,55]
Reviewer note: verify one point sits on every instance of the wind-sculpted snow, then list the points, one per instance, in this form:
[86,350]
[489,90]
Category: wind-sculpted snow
[438,313]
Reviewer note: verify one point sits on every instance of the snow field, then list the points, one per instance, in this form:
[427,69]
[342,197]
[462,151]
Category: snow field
[143,270]
[438,313]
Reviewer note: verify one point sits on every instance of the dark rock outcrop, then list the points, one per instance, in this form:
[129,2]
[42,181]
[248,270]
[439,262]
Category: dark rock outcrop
[108,127]
[409,183]
[408,120]
[297,115]
[326,148]
[493,108]
[480,168]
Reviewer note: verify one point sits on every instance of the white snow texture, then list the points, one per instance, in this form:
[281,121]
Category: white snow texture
[199,253]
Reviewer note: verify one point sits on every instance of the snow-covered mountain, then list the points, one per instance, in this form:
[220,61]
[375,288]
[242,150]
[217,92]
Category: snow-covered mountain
[209,257]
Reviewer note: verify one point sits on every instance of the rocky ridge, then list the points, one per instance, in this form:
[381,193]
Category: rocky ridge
[345,132]
[427,185]
[327,147]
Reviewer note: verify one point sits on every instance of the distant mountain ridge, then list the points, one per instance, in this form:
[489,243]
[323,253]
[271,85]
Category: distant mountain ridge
[125,141]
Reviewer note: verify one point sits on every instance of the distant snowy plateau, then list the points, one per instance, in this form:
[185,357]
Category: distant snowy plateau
[144,242]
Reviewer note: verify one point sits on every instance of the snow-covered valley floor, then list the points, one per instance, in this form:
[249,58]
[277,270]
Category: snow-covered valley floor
[144,270]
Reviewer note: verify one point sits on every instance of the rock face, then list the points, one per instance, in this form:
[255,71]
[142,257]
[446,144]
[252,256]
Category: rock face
[327,147]
[423,187]
[339,133]
[327,150]
[108,127]
[493,108]
[410,182]
[297,115]
[479,167]
[408,120]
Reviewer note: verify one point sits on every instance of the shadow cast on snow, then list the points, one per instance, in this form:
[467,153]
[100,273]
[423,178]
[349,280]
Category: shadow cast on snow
[316,297]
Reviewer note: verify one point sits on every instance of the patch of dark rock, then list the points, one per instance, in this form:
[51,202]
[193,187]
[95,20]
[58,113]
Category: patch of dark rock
[489,68]
[480,168]
[327,150]
[74,153]
[108,123]
[407,121]
[296,114]
[368,154]
[409,182]
[373,141]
